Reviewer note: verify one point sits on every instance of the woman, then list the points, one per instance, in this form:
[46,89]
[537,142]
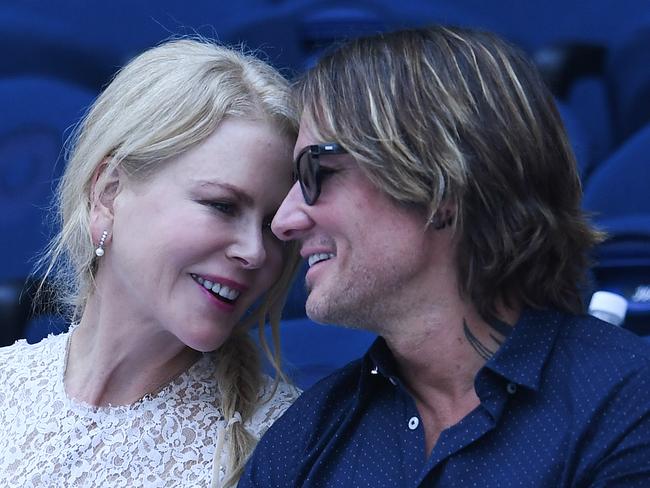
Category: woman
[164,252]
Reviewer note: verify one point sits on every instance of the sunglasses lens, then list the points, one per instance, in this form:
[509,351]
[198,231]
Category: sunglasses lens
[307,174]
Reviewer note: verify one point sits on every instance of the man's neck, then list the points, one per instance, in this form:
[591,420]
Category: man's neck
[438,358]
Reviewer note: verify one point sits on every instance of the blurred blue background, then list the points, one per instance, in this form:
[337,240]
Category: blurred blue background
[56,56]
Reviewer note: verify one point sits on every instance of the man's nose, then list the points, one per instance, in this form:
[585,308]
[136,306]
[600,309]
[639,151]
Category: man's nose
[292,218]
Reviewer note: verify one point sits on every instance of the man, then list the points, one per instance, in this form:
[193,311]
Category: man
[438,206]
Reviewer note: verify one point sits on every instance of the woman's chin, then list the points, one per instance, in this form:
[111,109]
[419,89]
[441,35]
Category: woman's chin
[205,339]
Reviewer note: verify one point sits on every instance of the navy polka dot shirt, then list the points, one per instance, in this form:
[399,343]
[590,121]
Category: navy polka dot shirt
[564,402]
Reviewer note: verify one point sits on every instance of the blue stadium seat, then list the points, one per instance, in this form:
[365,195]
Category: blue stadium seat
[580,140]
[628,75]
[311,351]
[294,307]
[618,195]
[573,72]
[38,114]
[589,102]
[295,36]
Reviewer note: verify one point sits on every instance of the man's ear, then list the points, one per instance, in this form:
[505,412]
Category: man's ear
[444,216]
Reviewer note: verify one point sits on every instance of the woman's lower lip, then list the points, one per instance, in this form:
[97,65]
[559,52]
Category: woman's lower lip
[221,305]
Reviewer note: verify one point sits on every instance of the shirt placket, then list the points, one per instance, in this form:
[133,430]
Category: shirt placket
[493,396]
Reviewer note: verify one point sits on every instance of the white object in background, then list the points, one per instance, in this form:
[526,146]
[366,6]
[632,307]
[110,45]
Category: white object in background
[608,306]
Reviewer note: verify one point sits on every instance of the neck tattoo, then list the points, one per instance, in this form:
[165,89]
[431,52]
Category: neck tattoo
[500,330]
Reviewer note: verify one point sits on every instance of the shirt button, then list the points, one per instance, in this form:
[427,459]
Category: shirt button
[374,370]
[413,423]
[511,388]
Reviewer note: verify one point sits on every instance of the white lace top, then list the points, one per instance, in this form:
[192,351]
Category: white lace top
[164,440]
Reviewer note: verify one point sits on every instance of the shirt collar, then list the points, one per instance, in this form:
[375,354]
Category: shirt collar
[380,361]
[519,360]
[522,356]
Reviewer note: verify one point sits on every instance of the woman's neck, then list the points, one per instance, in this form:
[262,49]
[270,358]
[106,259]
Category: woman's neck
[117,361]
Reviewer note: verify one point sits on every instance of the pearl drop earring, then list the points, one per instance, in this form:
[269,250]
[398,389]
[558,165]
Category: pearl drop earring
[99,252]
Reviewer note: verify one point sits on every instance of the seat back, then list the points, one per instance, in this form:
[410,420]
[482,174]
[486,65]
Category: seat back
[311,351]
[38,115]
[618,195]
[628,76]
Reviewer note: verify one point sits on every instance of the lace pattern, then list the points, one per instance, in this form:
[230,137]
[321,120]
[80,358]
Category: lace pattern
[164,440]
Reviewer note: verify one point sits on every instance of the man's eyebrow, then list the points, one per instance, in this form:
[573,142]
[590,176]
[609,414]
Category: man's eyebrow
[240,194]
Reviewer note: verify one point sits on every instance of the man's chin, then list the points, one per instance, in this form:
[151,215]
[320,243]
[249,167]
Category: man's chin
[326,309]
[314,310]
[318,307]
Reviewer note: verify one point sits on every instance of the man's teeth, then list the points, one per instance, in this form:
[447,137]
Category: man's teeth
[218,288]
[317,258]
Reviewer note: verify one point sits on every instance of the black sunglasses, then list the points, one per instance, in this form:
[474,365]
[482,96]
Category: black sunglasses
[307,168]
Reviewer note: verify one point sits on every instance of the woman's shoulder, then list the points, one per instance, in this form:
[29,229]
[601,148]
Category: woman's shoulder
[275,397]
[23,363]
[278,391]
[23,353]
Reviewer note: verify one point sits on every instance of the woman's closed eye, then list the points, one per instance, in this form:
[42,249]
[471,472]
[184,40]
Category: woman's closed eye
[231,209]
[221,206]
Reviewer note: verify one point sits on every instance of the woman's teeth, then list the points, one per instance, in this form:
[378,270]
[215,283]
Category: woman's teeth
[218,289]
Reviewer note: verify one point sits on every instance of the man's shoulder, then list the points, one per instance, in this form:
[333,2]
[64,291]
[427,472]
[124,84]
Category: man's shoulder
[319,407]
[281,452]
[602,343]
[600,364]
[331,393]
[602,373]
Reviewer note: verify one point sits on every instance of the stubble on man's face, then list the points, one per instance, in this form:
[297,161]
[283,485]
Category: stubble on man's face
[358,297]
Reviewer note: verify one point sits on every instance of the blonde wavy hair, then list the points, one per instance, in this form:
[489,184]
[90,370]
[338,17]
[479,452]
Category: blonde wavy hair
[159,105]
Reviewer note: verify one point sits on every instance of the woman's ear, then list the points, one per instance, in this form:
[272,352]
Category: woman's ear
[105,186]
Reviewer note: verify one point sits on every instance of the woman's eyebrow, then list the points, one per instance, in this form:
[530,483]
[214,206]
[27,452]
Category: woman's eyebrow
[240,194]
